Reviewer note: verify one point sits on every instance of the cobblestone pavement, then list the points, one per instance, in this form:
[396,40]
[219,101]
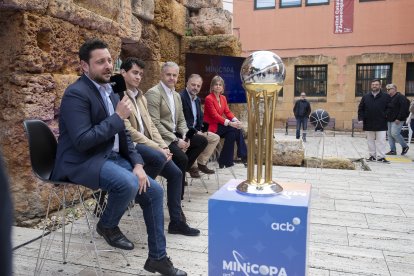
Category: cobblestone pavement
[361,222]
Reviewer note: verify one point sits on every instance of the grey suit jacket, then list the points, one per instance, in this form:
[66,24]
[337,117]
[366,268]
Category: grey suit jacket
[160,112]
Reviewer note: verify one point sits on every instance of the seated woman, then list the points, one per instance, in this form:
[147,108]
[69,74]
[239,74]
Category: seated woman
[220,120]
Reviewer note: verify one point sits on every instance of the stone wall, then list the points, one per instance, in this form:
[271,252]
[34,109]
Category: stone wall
[40,42]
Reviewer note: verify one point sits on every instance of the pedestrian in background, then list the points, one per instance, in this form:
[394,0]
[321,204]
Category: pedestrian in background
[302,110]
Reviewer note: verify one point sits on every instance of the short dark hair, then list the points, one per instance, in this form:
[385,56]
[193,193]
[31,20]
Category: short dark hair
[130,61]
[88,46]
[376,80]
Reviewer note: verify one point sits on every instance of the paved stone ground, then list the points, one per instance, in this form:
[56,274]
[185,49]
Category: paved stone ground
[361,222]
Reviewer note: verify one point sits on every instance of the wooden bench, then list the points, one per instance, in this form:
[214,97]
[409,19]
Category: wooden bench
[291,122]
[356,125]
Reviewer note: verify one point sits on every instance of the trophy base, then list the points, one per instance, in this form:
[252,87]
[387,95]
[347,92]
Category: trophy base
[268,189]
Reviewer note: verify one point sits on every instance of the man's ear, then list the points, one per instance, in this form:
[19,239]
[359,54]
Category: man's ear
[84,66]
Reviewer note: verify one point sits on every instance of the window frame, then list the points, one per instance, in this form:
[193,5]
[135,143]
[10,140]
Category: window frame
[317,4]
[264,8]
[368,80]
[407,86]
[297,92]
[289,6]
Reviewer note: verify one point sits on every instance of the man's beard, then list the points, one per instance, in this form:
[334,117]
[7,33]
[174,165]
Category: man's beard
[99,78]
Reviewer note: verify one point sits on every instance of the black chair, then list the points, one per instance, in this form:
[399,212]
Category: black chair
[42,148]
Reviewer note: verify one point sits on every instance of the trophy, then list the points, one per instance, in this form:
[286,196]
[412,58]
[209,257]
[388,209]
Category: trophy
[262,74]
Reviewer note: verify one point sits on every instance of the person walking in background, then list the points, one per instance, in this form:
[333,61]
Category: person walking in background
[372,112]
[397,113]
[222,121]
[302,110]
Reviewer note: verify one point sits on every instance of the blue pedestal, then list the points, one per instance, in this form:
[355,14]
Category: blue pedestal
[250,235]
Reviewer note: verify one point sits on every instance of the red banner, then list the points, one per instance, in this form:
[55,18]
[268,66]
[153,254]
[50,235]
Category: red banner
[343,16]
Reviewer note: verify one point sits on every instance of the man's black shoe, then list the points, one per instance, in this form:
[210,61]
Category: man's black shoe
[194,173]
[164,267]
[371,159]
[405,150]
[391,152]
[182,228]
[205,169]
[383,160]
[114,237]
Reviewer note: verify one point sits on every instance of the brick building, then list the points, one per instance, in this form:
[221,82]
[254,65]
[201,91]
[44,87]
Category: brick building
[331,48]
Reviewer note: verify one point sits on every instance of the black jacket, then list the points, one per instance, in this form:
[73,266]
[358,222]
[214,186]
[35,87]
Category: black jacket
[302,108]
[397,108]
[188,111]
[372,111]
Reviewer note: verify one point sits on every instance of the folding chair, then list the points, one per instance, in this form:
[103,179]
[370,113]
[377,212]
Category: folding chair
[42,148]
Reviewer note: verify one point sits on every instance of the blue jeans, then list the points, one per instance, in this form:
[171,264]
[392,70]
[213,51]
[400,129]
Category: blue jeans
[394,135]
[117,179]
[156,164]
[231,135]
[301,121]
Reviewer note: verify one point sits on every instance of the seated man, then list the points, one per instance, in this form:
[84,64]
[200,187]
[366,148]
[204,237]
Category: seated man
[165,108]
[151,146]
[95,150]
[194,118]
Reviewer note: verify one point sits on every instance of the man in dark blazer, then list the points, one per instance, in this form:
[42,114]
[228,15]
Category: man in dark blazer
[165,108]
[194,118]
[96,151]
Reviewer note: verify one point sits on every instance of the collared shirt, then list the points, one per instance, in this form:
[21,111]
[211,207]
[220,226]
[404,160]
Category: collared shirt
[133,94]
[105,90]
[193,107]
[170,95]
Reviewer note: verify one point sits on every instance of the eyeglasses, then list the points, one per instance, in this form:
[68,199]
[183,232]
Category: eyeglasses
[388,89]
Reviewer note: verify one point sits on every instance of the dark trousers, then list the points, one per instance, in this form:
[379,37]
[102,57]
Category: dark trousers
[301,121]
[184,160]
[231,135]
[156,164]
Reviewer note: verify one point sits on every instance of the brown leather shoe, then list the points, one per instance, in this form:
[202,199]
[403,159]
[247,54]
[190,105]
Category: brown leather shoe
[194,173]
[205,169]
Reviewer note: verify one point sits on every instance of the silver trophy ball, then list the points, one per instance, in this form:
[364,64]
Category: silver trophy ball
[263,67]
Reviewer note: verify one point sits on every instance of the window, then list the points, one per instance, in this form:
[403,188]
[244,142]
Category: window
[367,72]
[311,79]
[316,2]
[409,79]
[290,3]
[264,4]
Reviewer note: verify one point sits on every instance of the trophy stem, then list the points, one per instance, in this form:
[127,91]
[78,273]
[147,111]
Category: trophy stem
[261,106]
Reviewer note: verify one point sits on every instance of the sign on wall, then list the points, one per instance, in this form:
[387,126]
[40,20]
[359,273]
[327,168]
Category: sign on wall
[343,16]
[227,67]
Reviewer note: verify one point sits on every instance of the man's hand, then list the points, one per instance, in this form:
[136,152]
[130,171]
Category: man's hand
[142,178]
[166,153]
[183,144]
[124,107]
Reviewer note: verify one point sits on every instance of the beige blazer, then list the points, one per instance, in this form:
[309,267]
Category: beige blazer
[160,113]
[151,137]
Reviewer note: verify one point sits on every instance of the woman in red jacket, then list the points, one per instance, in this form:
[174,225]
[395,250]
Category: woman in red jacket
[221,120]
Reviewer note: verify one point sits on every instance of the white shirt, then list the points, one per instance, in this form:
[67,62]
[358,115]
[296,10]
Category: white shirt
[133,94]
[193,107]
[171,104]
[105,90]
